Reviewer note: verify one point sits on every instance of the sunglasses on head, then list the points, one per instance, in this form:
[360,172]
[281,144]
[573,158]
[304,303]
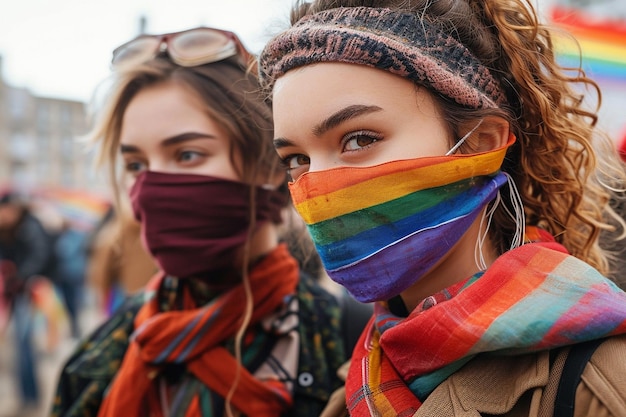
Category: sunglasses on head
[188,48]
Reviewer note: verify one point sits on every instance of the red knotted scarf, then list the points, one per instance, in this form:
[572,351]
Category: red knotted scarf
[194,337]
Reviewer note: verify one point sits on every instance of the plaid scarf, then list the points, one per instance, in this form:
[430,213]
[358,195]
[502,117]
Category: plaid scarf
[196,337]
[532,298]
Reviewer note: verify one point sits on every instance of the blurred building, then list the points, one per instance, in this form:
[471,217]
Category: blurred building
[40,141]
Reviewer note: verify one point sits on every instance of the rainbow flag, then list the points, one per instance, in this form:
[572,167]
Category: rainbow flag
[602,42]
[82,208]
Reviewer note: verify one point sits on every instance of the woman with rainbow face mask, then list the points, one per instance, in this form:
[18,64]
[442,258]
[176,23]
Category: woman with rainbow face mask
[444,166]
[229,326]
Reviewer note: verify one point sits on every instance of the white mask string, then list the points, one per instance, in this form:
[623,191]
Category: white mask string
[463,139]
[517,215]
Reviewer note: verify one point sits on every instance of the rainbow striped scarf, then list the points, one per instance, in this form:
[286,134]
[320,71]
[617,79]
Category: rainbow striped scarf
[379,229]
[532,298]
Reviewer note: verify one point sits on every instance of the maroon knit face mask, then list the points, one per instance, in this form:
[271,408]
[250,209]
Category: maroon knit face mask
[194,224]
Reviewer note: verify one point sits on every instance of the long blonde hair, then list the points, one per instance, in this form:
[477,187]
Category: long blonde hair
[232,99]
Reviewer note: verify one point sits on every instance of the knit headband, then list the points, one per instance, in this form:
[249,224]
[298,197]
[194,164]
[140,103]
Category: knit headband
[398,42]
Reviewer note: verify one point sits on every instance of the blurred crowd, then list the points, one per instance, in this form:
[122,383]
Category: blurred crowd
[51,270]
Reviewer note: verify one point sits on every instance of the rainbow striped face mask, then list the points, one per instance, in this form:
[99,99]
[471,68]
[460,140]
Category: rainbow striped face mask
[380,229]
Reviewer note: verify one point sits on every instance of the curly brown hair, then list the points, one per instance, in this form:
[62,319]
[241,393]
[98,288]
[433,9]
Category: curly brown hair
[565,186]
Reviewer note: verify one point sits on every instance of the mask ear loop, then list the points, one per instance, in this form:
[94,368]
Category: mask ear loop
[463,139]
[517,216]
[479,257]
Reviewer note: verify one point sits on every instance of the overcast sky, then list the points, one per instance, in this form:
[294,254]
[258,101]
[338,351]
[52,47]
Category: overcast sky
[62,48]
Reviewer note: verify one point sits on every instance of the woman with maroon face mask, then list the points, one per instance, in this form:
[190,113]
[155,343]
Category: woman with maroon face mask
[229,325]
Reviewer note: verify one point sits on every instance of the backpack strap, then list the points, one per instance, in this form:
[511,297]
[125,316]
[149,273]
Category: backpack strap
[575,363]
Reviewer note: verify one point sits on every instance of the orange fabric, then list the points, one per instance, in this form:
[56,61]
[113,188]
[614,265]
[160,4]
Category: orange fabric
[201,332]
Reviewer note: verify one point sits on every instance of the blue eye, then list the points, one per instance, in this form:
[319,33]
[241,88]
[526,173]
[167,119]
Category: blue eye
[134,166]
[187,156]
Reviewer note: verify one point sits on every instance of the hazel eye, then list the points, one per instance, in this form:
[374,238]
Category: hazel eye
[296,165]
[361,139]
[296,161]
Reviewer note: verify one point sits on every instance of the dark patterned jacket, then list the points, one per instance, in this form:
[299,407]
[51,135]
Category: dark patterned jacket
[90,369]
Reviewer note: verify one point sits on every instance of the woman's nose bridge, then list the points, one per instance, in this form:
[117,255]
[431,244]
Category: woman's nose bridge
[321,161]
[160,163]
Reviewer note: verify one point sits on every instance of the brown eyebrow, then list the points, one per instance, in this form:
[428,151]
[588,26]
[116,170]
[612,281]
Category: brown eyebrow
[128,149]
[184,137]
[342,116]
[282,143]
[334,120]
